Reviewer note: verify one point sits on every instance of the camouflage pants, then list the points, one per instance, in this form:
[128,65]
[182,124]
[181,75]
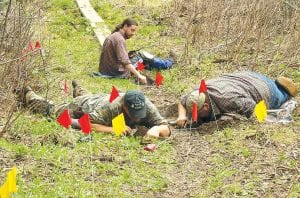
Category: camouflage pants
[38,104]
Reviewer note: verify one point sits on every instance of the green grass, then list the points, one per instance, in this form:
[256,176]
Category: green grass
[55,164]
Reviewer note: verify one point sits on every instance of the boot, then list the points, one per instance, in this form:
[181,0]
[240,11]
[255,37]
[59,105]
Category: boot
[36,103]
[78,90]
[288,85]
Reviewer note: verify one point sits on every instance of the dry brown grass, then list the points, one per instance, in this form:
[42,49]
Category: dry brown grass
[261,32]
[19,65]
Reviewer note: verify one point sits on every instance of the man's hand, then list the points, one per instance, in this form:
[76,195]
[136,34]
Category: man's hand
[128,130]
[181,121]
[153,132]
[142,79]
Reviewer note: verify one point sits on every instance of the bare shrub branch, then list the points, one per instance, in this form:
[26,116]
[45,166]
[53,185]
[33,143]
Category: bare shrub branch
[21,63]
[251,31]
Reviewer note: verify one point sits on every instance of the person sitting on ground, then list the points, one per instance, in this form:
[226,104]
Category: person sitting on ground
[138,110]
[236,93]
[115,60]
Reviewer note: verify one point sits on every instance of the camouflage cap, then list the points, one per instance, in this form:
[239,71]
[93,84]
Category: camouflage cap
[195,97]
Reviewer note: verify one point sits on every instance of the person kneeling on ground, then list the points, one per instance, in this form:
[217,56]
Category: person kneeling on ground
[115,60]
[138,110]
[236,93]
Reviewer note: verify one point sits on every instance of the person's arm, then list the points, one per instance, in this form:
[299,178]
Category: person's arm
[102,128]
[141,77]
[123,58]
[107,129]
[158,125]
[182,118]
[159,131]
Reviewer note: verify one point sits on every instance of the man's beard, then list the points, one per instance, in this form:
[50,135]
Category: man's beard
[127,36]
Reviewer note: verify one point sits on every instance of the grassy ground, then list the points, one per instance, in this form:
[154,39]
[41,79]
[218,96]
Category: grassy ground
[244,159]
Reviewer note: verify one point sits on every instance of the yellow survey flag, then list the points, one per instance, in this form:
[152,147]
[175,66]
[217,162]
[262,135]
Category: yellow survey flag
[260,111]
[4,190]
[11,179]
[118,124]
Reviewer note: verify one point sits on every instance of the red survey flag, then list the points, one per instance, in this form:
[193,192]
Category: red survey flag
[65,87]
[85,124]
[194,112]
[158,79]
[140,66]
[23,57]
[65,119]
[30,47]
[202,87]
[114,94]
[37,45]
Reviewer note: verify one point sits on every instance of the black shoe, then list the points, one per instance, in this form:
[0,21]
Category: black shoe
[26,90]
[75,83]
[76,87]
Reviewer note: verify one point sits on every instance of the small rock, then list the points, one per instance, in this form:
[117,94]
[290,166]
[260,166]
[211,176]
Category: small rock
[150,147]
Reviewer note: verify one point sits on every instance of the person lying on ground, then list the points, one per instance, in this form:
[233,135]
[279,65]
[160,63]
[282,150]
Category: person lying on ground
[115,60]
[236,93]
[138,110]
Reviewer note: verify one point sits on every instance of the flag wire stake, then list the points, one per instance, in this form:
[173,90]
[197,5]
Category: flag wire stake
[213,111]
[91,161]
